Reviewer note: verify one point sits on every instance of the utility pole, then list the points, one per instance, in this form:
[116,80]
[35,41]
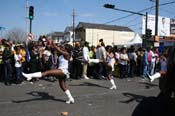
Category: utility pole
[157,17]
[146,22]
[26,21]
[30,26]
[73,16]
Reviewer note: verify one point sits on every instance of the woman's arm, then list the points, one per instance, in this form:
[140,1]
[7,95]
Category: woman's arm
[65,53]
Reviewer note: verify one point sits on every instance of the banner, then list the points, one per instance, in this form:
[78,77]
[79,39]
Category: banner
[166,26]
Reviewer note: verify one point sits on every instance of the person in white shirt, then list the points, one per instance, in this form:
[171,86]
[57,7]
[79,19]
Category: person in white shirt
[86,59]
[61,73]
[18,65]
[102,56]
[123,63]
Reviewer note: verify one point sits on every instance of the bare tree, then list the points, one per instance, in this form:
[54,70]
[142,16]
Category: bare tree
[16,34]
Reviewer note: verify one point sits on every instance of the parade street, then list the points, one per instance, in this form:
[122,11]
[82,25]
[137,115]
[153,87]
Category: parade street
[92,97]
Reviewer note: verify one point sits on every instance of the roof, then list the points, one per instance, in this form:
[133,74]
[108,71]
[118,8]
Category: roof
[56,34]
[103,26]
[68,28]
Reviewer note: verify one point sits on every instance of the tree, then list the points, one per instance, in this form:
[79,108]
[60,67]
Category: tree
[16,34]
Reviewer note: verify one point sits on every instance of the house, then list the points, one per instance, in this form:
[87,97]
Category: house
[68,34]
[111,34]
[56,36]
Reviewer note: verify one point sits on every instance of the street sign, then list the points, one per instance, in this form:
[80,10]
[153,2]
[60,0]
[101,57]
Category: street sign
[30,36]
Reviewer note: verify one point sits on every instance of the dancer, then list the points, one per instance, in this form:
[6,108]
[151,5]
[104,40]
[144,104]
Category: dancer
[163,69]
[110,66]
[61,73]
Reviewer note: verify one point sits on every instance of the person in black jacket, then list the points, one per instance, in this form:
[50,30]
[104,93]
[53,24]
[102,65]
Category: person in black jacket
[76,63]
[7,58]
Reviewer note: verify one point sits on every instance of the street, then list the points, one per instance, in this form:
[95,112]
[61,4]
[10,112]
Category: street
[92,98]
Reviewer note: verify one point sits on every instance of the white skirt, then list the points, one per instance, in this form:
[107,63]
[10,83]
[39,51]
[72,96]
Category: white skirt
[66,72]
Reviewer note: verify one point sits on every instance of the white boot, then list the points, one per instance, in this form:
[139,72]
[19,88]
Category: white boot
[155,76]
[32,75]
[85,77]
[113,84]
[71,99]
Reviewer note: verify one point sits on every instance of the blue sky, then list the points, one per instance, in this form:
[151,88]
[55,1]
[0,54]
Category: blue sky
[55,15]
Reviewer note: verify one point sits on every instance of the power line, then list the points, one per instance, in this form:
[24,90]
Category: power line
[138,12]
[134,24]
[135,19]
[130,21]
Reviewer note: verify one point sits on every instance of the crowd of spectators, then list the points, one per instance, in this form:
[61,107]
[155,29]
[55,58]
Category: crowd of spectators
[129,62]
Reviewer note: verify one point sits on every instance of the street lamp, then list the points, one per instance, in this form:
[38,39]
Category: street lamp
[110,6]
[157,16]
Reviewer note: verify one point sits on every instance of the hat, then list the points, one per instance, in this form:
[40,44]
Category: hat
[47,53]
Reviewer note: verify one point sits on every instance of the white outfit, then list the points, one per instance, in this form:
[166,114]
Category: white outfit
[63,65]
[85,53]
[102,53]
[123,58]
[111,61]
[17,57]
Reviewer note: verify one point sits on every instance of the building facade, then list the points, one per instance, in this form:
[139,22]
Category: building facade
[112,35]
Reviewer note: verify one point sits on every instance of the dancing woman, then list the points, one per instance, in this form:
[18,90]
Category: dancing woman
[61,73]
[110,61]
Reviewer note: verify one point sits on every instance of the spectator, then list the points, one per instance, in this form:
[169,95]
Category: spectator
[76,64]
[7,60]
[18,65]
[102,56]
[133,61]
[123,63]
[86,59]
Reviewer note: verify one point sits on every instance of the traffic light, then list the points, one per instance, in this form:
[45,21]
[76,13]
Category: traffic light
[31,12]
[109,6]
[148,33]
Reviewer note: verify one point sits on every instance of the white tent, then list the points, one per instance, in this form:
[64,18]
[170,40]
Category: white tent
[136,40]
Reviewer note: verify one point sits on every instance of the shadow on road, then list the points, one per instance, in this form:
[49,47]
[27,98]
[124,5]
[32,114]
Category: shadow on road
[39,97]
[132,97]
[148,85]
[90,84]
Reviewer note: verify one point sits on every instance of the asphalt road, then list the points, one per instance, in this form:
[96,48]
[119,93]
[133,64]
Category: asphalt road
[92,98]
